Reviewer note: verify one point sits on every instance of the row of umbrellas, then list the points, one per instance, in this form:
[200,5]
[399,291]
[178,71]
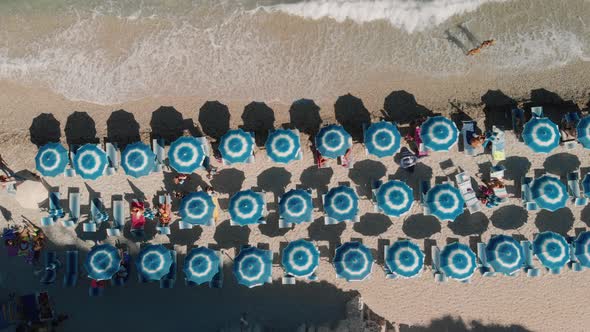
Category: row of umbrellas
[352,261]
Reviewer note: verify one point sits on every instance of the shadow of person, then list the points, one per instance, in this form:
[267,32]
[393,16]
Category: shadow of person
[44,129]
[352,114]
[401,107]
[260,119]
[167,123]
[305,115]
[497,109]
[80,129]
[122,128]
[214,119]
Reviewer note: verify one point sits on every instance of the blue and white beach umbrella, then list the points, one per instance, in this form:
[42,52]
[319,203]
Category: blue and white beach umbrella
[552,250]
[382,139]
[154,262]
[102,262]
[504,254]
[444,202]
[457,261]
[138,160]
[253,267]
[583,131]
[332,141]
[51,159]
[404,258]
[439,133]
[341,203]
[90,161]
[582,249]
[296,206]
[246,207]
[353,261]
[541,135]
[197,208]
[549,193]
[186,154]
[201,265]
[283,146]
[236,146]
[300,258]
[395,198]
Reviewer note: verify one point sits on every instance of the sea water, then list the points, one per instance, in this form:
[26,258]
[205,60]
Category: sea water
[111,52]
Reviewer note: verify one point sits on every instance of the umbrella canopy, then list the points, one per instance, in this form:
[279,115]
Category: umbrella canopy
[332,141]
[197,208]
[341,203]
[296,206]
[504,254]
[582,249]
[138,160]
[283,145]
[300,258]
[353,261]
[457,261]
[541,135]
[439,133]
[102,262]
[186,154]
[236,146]
[90,161]
[395,198]
[31,194]
[51,159]
[382,139]
[552,250]
[549,193]
[583,131]
[404,258]
[201,265]
[444,202]
[246,207]
[253,267]
[154,262]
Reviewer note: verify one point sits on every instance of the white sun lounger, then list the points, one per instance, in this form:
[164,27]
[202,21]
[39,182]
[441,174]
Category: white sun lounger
[159,150]
[74,205]
[424,188]
[537,112]
[464,184]
[374,189]
[498,141]
[71,270]
[484,266]
[573,182]
[468,127]
[439,276]
[55,210]
[113,156]
[529,267]
[185,225]
[527,195]
[118,218]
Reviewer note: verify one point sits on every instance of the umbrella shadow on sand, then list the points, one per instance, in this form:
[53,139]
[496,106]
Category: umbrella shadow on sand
[401,107]
[318,231]
[260,119]
[184,237]
[352,114]
[470,224]
[448,323]
[167,123]
[80,129]
[228,181]
[561,164]
[227,236]
[372,224]
[364,173]
[274,179]
[122,128]
[419,226]
[509,217]
[305,116]
[497,109]
[44,129]
[560,221]
[214,119]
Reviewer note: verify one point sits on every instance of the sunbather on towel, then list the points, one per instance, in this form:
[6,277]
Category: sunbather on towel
[214,195]
[164,214]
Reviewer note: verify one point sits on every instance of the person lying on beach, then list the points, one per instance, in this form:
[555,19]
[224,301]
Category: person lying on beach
[567,131]
[347,158]
[407,160]
[476,141]
[181,178]
[209,190]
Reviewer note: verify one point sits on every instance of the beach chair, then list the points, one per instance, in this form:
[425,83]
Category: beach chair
[573,183]
[424,188]
[537,112]
[468,129]
[74,205]
[55,210]
[518,121]
[185,225]
[169,280]
[51,266]
[112,151]
[497,172]
[251,159]
[288,279]
[388,273]
[71,270]
[165,200]
[464,184]
[484,267]
[374,189]
[70,170]
[498,141]
[217,281]
[527,195]
[158,147]
[529,267]
[118,218]
[137,222]
[439,276]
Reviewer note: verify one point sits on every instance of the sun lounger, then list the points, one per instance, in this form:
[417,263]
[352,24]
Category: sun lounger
[424,188]
[529,267]
[468,130]
[498,142]
[484,267]
[169,280]
[51,266]
[113,157]
[439,276]
[70,171]
[388,273]
[527,195]
[71,271]
[288,280]
[74,205]
[537,112]
[497,172]
[118,218]
[573,182]
[159,150]
[464,184]
[55,210]
[217,281]
[184,225]
[517,122]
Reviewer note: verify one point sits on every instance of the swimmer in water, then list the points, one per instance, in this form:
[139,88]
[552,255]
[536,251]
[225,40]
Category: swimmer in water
[485,43]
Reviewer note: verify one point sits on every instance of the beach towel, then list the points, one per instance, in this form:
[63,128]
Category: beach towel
[137,219]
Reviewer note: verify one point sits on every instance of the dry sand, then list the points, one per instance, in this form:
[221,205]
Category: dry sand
[548,303]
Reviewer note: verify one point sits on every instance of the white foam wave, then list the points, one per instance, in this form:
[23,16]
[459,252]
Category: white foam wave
[410,15]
